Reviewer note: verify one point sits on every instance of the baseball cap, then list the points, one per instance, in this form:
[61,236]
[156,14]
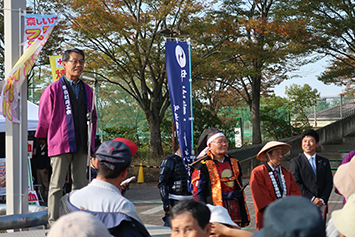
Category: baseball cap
[117,152]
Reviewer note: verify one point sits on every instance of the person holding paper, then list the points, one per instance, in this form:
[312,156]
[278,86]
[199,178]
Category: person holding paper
[102,197]
[63,110]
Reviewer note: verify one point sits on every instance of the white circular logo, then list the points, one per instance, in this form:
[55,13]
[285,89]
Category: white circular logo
[180,56]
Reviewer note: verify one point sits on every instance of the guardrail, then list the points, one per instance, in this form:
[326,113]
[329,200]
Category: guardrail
[26,220]
[336,160]
[339,160]
[37,216]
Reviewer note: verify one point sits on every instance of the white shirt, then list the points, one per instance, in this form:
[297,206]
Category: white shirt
[101,196]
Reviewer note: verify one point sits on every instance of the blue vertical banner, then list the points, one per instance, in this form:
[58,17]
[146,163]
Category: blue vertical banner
[178,73]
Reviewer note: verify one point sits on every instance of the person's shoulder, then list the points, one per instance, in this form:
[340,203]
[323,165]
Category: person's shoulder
[201,160]
[86,85]
[348,156]
[122,203]
[231,158]
[297,158]
[284,170]
[322,158]
[55,84]
[173,157]
[51,87]
[259,168]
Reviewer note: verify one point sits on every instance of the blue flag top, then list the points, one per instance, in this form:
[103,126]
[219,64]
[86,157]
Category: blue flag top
[178,73]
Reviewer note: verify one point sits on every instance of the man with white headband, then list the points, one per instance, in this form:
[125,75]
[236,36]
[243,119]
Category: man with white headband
[217,179]
[270,181]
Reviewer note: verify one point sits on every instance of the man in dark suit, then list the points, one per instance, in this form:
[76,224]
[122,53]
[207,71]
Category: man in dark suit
[312,172]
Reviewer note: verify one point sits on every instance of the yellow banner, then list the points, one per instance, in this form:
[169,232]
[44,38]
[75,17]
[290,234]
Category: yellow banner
[56,66]
[18,74]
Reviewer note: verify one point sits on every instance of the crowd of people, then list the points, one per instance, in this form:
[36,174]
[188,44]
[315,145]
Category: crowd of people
[287,202]
[208,201]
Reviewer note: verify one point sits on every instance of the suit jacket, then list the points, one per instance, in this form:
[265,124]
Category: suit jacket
[319,185]
[263,191]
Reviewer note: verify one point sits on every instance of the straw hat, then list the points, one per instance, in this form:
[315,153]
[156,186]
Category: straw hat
[344,178]
[270,146]
[344,218]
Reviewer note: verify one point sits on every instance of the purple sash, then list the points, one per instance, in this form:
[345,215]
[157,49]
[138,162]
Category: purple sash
[68,116]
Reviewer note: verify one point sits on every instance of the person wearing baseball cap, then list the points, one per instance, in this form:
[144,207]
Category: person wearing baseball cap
[102,197]
[270,181]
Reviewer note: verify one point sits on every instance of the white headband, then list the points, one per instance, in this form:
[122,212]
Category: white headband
[214,137]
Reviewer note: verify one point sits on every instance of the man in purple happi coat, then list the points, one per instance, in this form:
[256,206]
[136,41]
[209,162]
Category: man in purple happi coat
[63,110]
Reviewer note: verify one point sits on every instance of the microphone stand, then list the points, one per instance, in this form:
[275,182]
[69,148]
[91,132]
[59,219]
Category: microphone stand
[90,122]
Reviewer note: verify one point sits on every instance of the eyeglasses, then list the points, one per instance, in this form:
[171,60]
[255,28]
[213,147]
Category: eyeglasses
[221,142]
[81,62]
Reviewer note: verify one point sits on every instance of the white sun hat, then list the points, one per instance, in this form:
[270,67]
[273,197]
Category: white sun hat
[220,214]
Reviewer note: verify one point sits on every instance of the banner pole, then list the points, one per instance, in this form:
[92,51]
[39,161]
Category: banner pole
[191,110]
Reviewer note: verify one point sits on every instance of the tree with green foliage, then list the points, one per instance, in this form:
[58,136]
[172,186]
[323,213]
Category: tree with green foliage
[129,132]
[332,25]
[125,42]
[300,99]
[254,47]
[275,118]
[116,108]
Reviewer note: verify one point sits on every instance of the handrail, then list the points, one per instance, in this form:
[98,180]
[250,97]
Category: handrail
[23,220]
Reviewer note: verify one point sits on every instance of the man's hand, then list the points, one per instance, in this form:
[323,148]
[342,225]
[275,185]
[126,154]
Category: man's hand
[168,211]
[123,187]
[218,229]
[318,202]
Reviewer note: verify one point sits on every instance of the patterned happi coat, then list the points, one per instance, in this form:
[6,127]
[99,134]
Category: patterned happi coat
[263,191]
[220,183]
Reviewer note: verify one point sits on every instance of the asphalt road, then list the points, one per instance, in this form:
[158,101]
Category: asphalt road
[147,200]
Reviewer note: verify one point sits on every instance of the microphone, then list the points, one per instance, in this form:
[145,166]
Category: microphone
[84,77]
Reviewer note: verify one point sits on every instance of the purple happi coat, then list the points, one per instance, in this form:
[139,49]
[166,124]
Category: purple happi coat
[55,125]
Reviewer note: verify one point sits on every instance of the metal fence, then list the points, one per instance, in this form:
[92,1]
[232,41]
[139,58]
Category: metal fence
[330,109]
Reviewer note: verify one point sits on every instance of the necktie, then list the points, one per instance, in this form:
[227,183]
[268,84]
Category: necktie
[277,179]
[313,164]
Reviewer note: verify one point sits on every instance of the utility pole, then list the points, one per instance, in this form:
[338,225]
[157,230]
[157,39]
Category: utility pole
[16,133]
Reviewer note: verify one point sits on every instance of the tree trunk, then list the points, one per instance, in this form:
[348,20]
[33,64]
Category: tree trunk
[255,110]
[155,147]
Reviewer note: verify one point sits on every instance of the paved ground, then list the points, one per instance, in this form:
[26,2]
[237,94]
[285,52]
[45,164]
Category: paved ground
[149,206]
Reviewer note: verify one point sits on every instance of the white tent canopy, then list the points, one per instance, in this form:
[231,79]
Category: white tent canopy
[32,116]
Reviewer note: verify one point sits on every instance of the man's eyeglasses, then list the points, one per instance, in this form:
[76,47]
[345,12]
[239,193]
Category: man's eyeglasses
[221,142]
[81,62]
